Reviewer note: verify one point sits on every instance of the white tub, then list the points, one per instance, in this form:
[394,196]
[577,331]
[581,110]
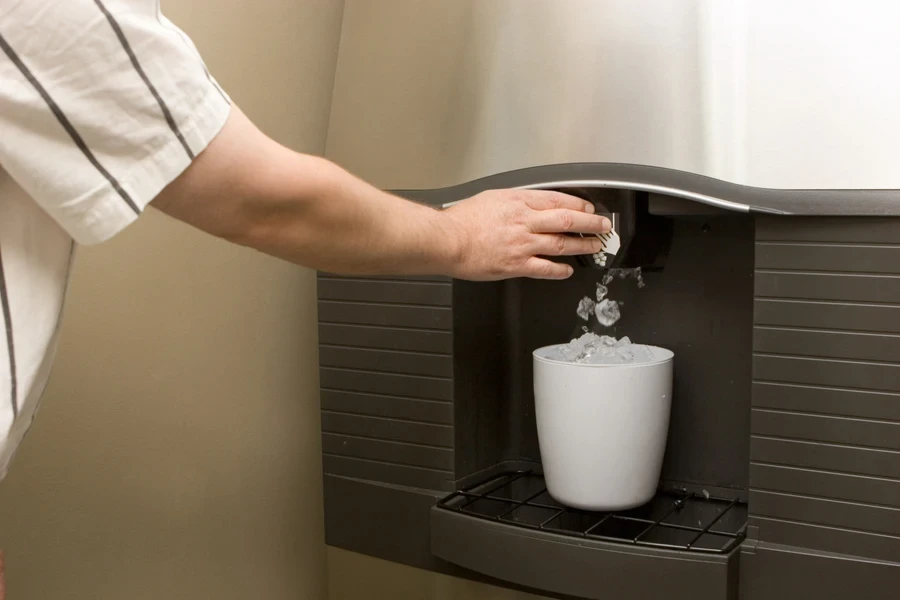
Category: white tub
[602,428]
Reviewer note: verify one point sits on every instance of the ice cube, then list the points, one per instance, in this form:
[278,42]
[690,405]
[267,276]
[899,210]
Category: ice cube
[607,312]
[602,291]
[585,308]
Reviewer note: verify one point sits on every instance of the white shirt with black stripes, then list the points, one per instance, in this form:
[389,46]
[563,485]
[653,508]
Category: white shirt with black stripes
[102,104]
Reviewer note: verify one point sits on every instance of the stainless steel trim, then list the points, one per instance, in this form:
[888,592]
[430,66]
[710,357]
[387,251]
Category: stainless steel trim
[638,187]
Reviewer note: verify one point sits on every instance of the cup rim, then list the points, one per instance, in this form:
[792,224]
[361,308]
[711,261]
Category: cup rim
[665,355]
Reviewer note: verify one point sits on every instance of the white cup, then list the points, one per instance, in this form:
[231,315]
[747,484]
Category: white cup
[602,428]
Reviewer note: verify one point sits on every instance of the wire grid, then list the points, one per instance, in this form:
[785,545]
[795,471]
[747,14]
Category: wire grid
[674,520]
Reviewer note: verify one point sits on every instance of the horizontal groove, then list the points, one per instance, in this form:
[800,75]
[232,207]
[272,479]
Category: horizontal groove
[387,327]
[776,271]
[812,357]
[391,373]
[820,301]
[830,500]
[760,463]
[823,526]
[809,244]
[381,418]
[386,280]
[846,389]
[388,350]
[803,413]
[386,304]
[387,462]
[801,329]
[770,271]
[380,395]
[776,438]
[829,388]
[370,438]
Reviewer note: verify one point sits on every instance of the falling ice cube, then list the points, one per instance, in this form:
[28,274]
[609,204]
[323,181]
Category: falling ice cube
[607,312]
[585,308]
[602,290]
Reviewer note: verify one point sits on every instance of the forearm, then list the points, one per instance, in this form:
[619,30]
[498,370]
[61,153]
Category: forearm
[305,209]
[327,219]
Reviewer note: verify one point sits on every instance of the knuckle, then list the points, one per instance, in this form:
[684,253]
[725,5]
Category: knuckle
[561,244]
[566,222]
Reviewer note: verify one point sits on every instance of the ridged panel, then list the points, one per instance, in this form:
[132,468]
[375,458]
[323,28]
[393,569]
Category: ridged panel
[385,315]
[388,361]
[830,539]
[828,344]
[828,286]
[832,316]
[838,373]
[414,409]
[386,369]
[374,290]
[374,470]
[841,486]
[827,511]
[818,455]
[398,453]
[827,257]
[827,400]
[386,428]
[825,419]
[826,428]
[386,338]
[407,386]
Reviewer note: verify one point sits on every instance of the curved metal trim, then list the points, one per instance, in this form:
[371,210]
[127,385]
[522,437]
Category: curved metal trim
[637,187]
[674,183]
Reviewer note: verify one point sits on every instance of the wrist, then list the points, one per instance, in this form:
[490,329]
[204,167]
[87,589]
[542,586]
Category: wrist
[452,241]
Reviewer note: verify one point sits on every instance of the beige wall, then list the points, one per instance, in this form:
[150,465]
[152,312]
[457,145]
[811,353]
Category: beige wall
[176,455]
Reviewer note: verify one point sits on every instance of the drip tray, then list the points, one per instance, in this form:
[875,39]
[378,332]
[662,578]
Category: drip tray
[510,528]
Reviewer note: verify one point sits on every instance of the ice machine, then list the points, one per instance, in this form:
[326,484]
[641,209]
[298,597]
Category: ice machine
[748,151]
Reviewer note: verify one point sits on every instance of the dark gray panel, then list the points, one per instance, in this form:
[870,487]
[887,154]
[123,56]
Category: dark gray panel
[824,400]
[829,229]
[837,430]
[827,315]
[398,453]
[828,286]
[387,429]
[384,315]
[366,517]
[787,369]
[406,386]
[376,471]
[803,256]
[373,290]
[582,568]
[815,455]
[773,572]
[425,411]
[831,513]
[827,344]
[840,486]
[388,338]
[829,539]
[410,363]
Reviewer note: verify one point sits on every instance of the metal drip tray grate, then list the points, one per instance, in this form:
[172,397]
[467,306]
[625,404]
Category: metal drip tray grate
[672,520]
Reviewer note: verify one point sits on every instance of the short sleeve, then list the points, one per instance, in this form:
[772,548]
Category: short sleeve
[102,104]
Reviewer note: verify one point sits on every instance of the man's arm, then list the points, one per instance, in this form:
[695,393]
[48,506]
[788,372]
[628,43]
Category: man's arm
[250,190]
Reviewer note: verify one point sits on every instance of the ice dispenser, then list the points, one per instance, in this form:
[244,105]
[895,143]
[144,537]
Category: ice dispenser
[760,199]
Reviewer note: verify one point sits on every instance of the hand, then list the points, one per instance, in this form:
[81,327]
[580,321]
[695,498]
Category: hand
[504,233]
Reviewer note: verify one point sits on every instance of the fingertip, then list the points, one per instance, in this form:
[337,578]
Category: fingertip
[589,208]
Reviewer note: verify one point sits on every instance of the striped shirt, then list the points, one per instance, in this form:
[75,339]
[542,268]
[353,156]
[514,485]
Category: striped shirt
[102,104]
